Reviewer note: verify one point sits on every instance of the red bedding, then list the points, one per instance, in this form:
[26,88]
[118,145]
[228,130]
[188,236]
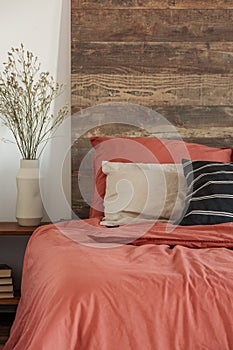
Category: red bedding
[165,291]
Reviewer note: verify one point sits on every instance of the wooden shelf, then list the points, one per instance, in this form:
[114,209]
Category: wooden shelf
[10,301]
[12,228]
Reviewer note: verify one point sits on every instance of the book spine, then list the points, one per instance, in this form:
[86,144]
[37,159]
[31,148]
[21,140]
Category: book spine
[6,288]
[6,280]
[4,295]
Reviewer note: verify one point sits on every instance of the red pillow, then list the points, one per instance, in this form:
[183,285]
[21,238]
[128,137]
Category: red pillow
[144,150]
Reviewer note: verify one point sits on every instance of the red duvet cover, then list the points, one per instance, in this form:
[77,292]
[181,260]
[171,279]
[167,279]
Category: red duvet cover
[164,291]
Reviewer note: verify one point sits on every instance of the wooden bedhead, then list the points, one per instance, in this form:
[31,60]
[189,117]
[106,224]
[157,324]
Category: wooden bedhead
[174,57]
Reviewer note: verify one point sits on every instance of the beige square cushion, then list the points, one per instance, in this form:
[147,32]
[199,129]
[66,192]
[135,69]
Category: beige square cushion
[137,192]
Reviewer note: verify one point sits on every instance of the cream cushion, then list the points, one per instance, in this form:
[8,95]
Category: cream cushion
[138,192]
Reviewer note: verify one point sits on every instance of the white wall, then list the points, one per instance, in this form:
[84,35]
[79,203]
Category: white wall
[44,28]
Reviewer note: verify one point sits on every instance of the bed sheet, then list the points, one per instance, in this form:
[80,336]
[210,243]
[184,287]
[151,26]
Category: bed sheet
[163,291]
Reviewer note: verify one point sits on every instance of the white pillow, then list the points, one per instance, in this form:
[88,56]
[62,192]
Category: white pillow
[138,192]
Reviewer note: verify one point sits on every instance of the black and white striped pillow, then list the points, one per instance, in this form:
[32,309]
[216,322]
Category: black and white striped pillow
[210,192]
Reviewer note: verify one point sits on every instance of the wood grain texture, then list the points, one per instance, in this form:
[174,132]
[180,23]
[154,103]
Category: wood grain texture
[152,4]
[12,228]
[152,25]
[207,135]
[151,58]
[197,117]
[148,90]
[174,57]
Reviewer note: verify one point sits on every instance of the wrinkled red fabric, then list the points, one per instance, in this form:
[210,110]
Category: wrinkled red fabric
[141,295]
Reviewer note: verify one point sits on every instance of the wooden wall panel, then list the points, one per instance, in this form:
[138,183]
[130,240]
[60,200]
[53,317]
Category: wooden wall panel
[156,89]
[189,117]
[108,25]
[152,57]
[152,4]
[172,56]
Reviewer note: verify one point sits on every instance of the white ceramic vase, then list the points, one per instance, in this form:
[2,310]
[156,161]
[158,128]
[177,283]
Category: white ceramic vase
[29,208]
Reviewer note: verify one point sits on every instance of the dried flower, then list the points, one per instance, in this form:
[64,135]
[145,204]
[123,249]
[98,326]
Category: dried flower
[26,95]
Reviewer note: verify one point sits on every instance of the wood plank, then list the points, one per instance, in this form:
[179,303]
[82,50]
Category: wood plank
[212,142]
[10,301]
[151,58]
[153,89]
[106,125]
[180,116]
[80,208]
[207,135]
[152,4]
[81,178]
[13,228]
[198,117]
[152,25]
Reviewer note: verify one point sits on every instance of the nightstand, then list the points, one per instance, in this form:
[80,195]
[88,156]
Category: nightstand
[13,242]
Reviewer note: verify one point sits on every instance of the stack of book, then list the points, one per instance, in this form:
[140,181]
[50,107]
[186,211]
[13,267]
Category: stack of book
[6,283]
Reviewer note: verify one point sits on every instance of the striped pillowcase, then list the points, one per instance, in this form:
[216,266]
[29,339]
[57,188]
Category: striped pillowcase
[210,192]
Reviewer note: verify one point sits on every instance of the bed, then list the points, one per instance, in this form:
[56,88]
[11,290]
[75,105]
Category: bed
[136,280]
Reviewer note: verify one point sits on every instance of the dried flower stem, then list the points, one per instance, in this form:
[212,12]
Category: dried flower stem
[26,95]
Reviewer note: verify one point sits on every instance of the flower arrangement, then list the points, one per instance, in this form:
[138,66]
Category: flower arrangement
[26,95]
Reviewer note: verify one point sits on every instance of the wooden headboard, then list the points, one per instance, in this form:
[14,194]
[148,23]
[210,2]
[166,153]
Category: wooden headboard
[172,56]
